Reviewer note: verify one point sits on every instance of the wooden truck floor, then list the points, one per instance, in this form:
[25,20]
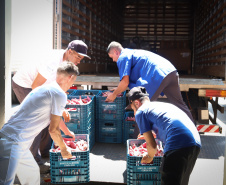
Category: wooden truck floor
[185,81]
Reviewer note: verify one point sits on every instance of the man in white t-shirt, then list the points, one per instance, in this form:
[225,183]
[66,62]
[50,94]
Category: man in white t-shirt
[43,106]
[37,73]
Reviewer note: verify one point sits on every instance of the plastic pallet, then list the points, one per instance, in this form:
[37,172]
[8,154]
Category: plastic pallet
[73,124]
[69,171]
[109,126]
[90,131]
[88,92]
[110,110]
[77,130]
[138,173]
[143,182]
[144,176]
[110,116]
[82,157]
[118,100]
[128,126]
[72,179]
[83,113]
[109,131]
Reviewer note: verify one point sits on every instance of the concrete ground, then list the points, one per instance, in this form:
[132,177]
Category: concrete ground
[108,161]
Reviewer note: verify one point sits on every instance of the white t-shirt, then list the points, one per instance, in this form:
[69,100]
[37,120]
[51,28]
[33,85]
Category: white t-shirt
[34,114]
[46,64]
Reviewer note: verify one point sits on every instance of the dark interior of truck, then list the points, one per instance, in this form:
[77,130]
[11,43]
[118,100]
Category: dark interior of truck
[189,33]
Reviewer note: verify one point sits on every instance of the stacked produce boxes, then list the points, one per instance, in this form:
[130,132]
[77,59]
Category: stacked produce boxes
[128,125]
[71,171]
[109,117]
[91,130]
[140,174]
[83,114]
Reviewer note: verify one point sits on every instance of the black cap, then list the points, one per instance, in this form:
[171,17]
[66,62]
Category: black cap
[136,93]
[79,46]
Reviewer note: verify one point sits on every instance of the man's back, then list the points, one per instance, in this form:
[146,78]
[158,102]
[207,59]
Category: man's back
[34,113]
[45,63]
[172,126]
[144,68]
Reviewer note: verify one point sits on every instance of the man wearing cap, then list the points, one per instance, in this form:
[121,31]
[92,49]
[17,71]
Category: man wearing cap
[180,138]
[42,70]
[143,68]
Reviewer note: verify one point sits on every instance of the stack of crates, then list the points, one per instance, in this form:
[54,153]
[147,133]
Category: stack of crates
[70,171]
[109,117]
[140,174]
[83,117]
[128,126]
[92,93]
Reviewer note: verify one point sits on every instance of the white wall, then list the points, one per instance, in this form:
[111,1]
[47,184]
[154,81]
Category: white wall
[32,29]
[29,31]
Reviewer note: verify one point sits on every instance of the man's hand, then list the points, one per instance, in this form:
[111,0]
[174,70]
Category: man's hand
[146,159]
[113,89]
[66,116]
[66,153]
[140,136]
[111,97]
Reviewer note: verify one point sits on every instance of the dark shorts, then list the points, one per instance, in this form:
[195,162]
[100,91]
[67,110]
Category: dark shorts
[20,92]
[177,165]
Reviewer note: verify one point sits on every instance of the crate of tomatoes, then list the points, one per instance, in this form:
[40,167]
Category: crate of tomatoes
[75,170]
[138,173]
[81,110]
[110,110]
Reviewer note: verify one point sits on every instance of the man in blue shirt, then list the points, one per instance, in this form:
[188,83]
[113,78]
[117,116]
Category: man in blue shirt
[143,68]
[180,138]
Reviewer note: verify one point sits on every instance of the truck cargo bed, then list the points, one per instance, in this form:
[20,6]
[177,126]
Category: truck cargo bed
[186,81]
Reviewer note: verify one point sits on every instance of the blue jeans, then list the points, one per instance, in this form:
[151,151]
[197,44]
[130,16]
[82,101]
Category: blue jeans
[16,159]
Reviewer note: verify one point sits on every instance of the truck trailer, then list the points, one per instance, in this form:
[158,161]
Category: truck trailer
[189,33]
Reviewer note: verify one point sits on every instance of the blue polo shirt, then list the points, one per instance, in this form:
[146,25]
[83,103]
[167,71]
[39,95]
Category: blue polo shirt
[171,125]
[144,68]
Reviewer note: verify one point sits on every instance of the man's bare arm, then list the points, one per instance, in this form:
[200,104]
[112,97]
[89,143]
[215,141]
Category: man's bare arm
[122,86]
[151,147]
[39,80]
[54,131]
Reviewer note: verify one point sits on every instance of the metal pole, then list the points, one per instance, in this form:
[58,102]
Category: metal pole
[8,74]
[57,21]
[2,62]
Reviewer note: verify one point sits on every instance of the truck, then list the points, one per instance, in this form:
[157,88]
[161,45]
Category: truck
[191,34]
